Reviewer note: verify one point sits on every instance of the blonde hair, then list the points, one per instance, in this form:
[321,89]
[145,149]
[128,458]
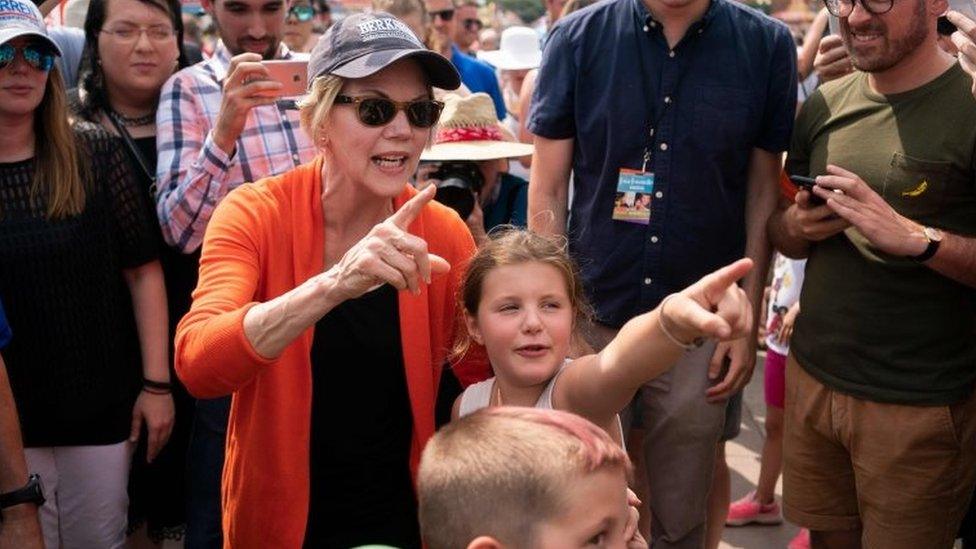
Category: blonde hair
[503,471]
[509,245]
[57,166]
[314,108]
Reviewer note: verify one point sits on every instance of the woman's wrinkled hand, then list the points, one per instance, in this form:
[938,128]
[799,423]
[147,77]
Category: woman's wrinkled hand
[390,255]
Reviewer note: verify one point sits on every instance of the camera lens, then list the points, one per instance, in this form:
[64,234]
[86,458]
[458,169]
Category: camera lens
[460,182]
[456,194]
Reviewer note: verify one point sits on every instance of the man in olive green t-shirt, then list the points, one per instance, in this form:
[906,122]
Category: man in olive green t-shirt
[880,443]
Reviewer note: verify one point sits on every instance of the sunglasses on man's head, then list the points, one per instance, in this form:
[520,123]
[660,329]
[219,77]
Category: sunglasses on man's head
[302,13]
[473,24]
[39,57]
[445,15]
[379,111]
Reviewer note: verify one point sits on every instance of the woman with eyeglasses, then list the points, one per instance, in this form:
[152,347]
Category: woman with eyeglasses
[83,292]
[299,25]
[131,48]
[326,306]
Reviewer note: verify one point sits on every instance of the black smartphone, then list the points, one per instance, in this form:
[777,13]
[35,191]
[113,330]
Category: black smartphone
[807,184]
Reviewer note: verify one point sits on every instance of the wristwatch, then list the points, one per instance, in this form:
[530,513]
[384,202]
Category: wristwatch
[32,493]
[934,237]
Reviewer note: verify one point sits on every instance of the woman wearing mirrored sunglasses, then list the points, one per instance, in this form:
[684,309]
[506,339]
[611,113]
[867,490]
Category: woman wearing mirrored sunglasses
[326,306]
[131,48]
[299,25]
[83,291]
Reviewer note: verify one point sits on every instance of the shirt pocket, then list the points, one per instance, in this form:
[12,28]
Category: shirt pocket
[722,118]
[915,187]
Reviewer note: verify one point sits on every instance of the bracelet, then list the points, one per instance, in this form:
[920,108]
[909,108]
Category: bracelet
[695,343]
[158,385]
[155,391]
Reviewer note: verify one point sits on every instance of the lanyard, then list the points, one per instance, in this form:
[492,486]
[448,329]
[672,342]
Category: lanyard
[656,116]
[133,150]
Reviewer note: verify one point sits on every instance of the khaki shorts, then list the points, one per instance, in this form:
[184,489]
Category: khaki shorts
[902,474]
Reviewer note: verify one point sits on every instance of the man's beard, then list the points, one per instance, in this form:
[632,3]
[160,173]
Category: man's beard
[271,52]
[892,51]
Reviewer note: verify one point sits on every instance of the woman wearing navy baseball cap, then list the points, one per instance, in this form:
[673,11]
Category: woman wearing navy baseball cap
[326,306]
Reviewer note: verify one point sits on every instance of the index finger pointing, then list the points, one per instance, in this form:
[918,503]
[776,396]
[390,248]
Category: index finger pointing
[403,217]
[726,276]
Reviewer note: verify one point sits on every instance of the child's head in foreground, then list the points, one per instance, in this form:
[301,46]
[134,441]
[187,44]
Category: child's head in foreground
[522,298]
[507,477]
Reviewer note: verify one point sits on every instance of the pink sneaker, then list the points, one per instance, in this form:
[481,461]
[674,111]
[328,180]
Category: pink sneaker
[801,541]
[748,510]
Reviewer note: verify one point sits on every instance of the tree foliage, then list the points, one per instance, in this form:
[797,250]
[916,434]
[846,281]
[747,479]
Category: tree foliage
[527,10]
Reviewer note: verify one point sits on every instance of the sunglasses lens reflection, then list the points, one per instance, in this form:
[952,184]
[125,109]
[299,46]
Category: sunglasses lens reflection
[379,112]
[423,114]
[7,53]
[302,13]
[35,56]
[376,112]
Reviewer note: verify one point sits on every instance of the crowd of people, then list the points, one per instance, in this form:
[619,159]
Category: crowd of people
[481,287]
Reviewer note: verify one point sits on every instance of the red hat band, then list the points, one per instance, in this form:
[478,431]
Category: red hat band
[474,133]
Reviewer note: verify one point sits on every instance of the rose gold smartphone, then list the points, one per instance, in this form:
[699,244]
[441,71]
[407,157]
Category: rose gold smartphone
[293,74]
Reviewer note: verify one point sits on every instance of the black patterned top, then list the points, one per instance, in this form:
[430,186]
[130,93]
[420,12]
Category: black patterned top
[74,363]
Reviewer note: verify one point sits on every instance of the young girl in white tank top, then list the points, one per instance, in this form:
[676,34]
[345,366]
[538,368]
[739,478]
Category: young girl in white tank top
[523,301]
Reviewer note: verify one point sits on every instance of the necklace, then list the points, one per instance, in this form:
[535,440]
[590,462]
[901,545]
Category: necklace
[497,397]
[135,121]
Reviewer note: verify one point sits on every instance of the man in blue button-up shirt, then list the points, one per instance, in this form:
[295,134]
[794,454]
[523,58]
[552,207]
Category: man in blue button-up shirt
[704,92]
[477,75]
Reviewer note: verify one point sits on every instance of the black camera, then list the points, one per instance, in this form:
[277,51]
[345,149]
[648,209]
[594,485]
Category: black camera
[458,186]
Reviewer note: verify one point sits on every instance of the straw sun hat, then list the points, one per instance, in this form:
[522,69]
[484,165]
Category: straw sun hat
[469,130]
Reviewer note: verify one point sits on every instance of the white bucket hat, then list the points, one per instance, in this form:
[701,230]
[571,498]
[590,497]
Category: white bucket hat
[519,49]
[469,130]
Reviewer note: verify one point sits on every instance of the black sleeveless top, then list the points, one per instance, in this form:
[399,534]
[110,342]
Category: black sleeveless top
[361,491]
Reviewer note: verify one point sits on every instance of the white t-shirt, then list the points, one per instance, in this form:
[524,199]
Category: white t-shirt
[785,291]
[478,396]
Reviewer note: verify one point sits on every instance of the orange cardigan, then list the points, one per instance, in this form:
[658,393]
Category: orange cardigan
[265,239]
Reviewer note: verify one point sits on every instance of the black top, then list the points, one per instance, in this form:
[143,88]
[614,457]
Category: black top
[360,486]
[75,365]
[179,269]
[157,490]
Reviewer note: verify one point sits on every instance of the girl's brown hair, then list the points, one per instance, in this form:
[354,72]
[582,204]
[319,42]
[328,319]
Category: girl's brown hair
[57,166]
[513,246]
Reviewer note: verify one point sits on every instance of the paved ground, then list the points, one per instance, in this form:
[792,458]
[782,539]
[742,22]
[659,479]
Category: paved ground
[743,458]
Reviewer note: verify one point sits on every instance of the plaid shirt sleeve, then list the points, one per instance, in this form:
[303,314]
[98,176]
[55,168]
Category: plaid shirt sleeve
[192,171]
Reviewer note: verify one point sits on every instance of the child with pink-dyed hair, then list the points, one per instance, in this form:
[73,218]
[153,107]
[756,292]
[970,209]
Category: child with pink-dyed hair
[506,477]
